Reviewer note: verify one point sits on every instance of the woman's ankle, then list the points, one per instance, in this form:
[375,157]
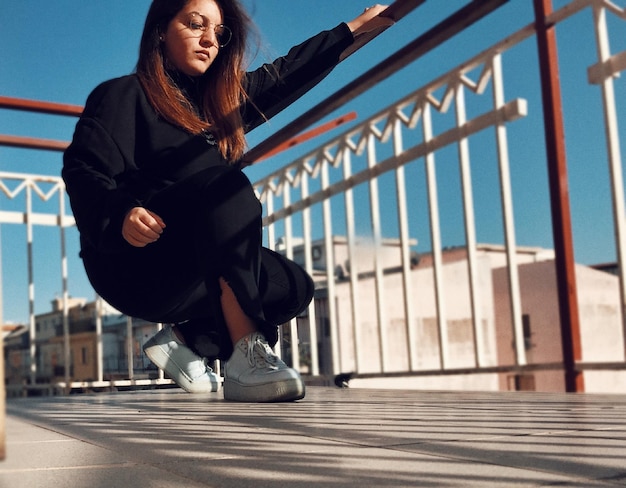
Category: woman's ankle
[178,334]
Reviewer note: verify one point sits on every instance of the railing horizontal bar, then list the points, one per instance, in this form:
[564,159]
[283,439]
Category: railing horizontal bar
[104,384]
[6,175]
[61,386]
[610,68]
[330,379]
[599,366]
[511,111]
[8,217]
[493,369]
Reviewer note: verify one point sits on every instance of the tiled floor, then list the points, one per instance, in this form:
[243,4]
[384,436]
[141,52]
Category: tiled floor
[333,438]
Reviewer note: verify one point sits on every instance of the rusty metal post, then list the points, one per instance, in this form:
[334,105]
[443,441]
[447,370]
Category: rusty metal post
[559,196]
[2,400]
[2,372]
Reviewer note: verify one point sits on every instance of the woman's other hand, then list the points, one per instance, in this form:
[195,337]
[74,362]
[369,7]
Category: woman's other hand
[142,227]
[369,20]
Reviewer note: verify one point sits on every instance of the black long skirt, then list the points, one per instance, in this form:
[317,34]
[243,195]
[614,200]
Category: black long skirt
[213,230]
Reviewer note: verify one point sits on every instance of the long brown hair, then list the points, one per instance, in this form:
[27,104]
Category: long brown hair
[223,92]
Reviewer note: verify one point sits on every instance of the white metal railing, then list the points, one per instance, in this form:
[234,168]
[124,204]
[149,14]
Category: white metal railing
[414,113]
[46,188]
[603,73]
[392,127]
[316,198]
[21,192]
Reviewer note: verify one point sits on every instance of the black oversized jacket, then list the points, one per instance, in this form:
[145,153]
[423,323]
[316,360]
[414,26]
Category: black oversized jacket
[123,152]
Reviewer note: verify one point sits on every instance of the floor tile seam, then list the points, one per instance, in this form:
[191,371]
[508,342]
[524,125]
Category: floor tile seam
[403,448]
[467,440]
[556,433]
[74,437]
[39,423]
[527,433]
[69,435]
[617,478]
[467,459]
[131,403]
[130,464]
[77,467]
[104,444]
[11,442]
[118,411]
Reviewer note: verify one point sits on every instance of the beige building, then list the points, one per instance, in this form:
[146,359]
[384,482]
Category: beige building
[360,345]
[83,342]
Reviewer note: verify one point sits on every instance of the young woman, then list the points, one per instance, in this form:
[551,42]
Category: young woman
[170,228]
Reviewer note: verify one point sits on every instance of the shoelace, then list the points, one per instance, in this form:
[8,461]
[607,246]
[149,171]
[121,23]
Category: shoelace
[260,353]
[208,368]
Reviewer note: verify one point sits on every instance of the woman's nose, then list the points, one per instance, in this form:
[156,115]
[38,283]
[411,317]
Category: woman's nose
[209,38]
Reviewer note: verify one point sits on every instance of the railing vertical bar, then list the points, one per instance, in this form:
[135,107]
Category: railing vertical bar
[64,279]
[2,369]
[614,153]
[353,262]
[129,348]
[67,357]
[506,193]
[99,312]
[470,226]
[271,231]
[288,243]
[271,244]
[31,286]
[293,325]
[378,266]
[435,236]
[308,266]
[403,227]
[330,272]
[161,372]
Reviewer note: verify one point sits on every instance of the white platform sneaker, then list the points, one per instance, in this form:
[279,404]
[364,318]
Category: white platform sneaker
[255,374]
[190,371]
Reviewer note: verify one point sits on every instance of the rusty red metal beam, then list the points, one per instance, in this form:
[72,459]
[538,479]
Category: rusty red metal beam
[559,196]
[308,135]
[53,145]
[40,107]
[455,23]
[33,143]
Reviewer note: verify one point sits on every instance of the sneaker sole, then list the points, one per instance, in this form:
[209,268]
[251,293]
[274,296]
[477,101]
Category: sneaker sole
[162,360]
[280,391]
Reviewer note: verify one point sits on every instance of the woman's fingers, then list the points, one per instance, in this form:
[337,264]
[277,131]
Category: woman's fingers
[142,227]
[370,20]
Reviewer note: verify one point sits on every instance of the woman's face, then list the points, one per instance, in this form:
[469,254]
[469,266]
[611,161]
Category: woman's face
[190,42]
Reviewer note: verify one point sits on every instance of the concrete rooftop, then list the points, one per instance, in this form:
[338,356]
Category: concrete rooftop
[332,438]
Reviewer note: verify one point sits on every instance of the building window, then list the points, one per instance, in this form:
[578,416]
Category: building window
[521,382]
[84,355]
[527,332]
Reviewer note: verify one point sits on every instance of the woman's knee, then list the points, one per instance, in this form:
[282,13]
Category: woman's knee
[286,288]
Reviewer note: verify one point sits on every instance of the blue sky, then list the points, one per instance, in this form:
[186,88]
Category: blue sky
[59,51]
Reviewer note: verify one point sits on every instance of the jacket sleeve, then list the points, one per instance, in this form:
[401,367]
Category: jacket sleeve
[273,87]
[93,164]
